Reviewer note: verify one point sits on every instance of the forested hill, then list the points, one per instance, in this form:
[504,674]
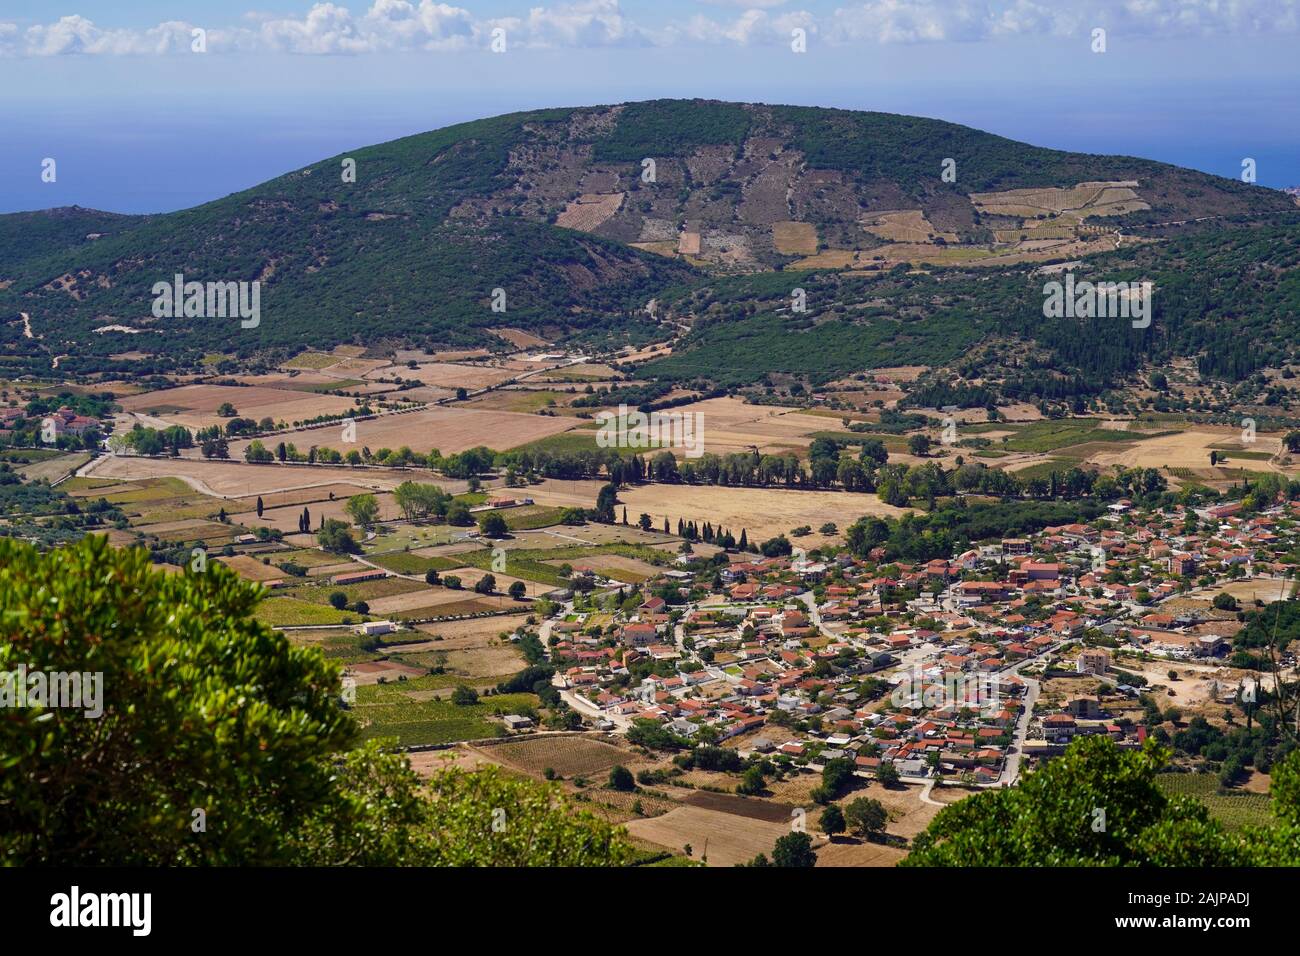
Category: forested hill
[580,217]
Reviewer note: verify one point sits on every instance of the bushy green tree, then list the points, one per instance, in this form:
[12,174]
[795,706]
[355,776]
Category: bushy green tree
[221,743]
[831,820]
[794,849]
[1099,805]
[866,816]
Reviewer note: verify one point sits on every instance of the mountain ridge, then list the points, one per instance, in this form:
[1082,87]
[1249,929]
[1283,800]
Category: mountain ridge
[550,206]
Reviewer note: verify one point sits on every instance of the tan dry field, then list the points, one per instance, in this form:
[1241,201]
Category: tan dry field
[908,225]
[590,372]
[731,838]
[730,425]
[763,512]
[475,632]
[195,406]
[523,399]
[285,518]
[850,851]
[449,375]
[323,571]
[471,576]
[1190,449]
[438,599]
[864,398]
[449,355]
[303,496]
[627,570]
[516,337]
[427,393]
[589,210]
[1090,199]
[794,238]
[568,756]
[251,569]
[1196,684]
[645,354]
[52,469]
[449,430]
[357,367]
[482,658]
[428,762]
[413,600]
[1249,590]
[237,479]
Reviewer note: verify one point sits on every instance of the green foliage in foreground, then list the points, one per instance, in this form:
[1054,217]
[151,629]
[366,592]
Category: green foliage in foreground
[1101,806]
[205,708]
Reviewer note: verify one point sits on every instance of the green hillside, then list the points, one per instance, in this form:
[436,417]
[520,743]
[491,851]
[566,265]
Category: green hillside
[410,253]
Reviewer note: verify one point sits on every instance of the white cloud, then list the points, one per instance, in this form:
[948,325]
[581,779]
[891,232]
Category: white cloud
[424,25]
[747,4]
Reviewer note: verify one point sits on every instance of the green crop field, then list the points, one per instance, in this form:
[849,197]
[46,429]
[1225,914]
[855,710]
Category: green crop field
[1234,809]
[531,517]
[390,710]
[1051,435]
[403,562]
[291,612]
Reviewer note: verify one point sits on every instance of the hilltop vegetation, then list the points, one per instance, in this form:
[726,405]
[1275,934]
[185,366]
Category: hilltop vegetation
[412,250]
[1227,299]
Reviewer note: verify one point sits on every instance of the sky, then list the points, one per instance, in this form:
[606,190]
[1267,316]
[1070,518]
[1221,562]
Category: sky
[137,120]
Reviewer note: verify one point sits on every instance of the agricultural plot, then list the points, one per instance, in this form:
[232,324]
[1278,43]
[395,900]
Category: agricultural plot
[519,338]
[576,756]
[368,591]
[391,710]
[1053,435]
[53,467]
[312,360]
[472,651]
[305,557]
[1188,449]
[1235,809]
[794,238]
[523,400]
[291,612]
[589,211]
[726,425]
[237,479]
[251,569]
[286,518]
[447,429]
[339,644]
[299,496]
[579,439]
[909,225]
[763,512]
[731,839]
[195,406]
[615,566]
[409,537]
[450,375]
[435,602]
[541,566]
[405,562]
[530,517]
[1070,205]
